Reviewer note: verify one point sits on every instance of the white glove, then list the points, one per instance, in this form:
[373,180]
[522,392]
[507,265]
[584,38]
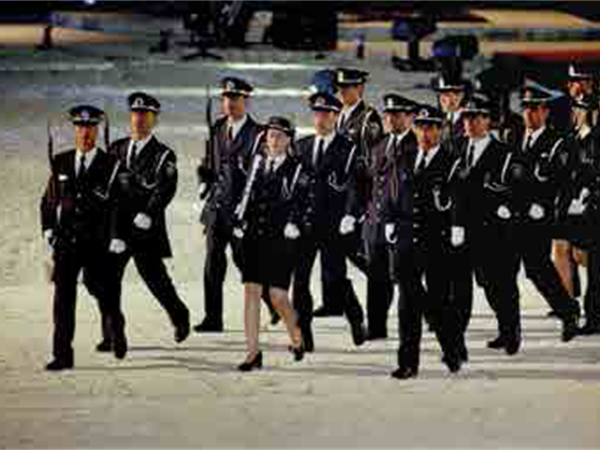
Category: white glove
[536,212]
[117,246]
[457,237]
[291,231]
[142,221]
[238,208]
[347,224]
[503,212]
[576,208]
[390,233]
[585,192]
[238,232]
[48,235]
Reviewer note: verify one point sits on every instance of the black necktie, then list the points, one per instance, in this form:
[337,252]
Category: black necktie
[470,155]
[392,147]
[319,155]
[230,134]
[342,122]
[422,164]
[132,155]
[82,167]
[528,142]
[271,167]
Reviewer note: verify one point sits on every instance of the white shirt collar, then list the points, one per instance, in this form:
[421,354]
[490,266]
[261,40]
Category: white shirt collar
[397,138]
[237,125]
[427,155]
[139,145]
[453,116]
[534,135]
[278,160]
[348,110]
[89,157]
[480,146]
[584,131]
[328,138]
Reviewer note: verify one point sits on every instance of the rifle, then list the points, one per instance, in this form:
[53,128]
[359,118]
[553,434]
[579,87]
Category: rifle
[207,167]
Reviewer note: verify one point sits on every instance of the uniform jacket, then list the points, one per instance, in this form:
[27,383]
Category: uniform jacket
[331,180]
[231,165]
[278,198]
[148,187]
[81,211]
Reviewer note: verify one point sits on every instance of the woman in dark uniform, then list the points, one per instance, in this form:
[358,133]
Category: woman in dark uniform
[583,202]
[271,216]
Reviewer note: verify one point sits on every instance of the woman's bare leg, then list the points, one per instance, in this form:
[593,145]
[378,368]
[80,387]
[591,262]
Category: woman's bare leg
[282,305]
[252,304]
[563,262]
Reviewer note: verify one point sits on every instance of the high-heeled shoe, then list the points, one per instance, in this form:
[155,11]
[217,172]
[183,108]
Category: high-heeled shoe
[298,352]
[256,363]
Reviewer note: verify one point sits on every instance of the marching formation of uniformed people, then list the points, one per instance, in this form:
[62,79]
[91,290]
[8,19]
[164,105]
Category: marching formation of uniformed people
[426,200]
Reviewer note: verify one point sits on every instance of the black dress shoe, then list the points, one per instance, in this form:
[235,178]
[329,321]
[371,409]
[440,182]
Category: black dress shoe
[120,346]
[376,335]
[359,334]
[182,331]
[589,329]
[60,364]
[324,311]
[208,327]
[552,314]
[570,327]
[307,339]
[496,344]
[248,366]
[404,373]
[104,346]
[512,345]
[452,363]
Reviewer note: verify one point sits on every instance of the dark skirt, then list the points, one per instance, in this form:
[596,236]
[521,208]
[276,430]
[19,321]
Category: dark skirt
[269,261]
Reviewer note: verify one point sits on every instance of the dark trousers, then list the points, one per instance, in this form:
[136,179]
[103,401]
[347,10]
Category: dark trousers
[591,303]
[380,290]
[461,285]
[497,275]
[536,249]
[218,237]
[423,278]
[354,250]
[153,271]
[334,273]
[100,283]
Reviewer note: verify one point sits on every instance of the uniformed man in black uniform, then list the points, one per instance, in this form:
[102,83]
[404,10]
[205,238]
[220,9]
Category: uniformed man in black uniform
[79,224]
[580,82]
[399,142]
[234,137]
[361,123]
[423,263]
[452,93]
[481,213]
[331,159]
[546,155]
[148,184]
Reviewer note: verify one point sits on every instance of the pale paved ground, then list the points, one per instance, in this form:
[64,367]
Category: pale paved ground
[190,395]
